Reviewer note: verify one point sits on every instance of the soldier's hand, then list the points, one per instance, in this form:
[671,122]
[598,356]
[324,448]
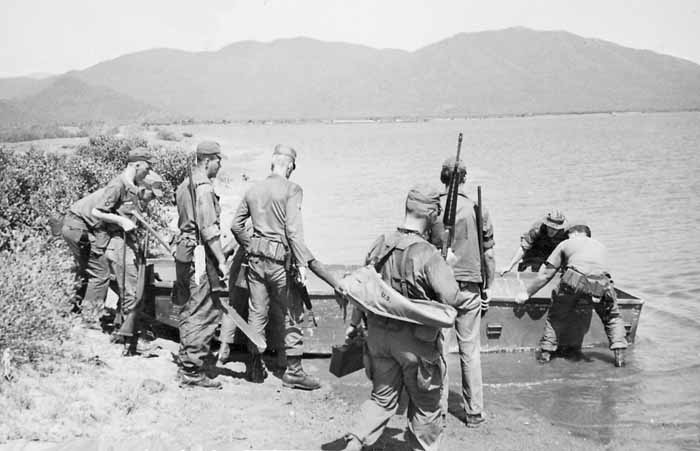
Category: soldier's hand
[504,270]
[521,297]
[451,258]
[127,224]
[485,302]
[302,275]
[354,331]
[223,271]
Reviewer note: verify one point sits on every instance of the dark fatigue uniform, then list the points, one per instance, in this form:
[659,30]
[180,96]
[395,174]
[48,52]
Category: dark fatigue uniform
[538,245]
[274,207]
[586,257]
[87,238]
[200,300]
[129,262]
[467,272]
[404,355]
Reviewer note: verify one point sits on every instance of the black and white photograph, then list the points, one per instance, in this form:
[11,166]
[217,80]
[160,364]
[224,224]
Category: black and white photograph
[349,225]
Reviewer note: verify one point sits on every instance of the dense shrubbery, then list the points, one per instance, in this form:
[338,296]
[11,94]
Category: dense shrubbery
[36,283]
[35,187]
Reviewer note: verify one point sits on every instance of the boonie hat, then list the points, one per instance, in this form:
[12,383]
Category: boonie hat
[208,149]
[555,219]
[154,182]
[281,149]
[423,199]
[140,154]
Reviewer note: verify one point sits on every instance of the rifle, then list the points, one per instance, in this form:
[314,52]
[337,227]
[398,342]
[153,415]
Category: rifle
[139,217]
[450,215]
[118,316]
[293,271]
[480,237]
[199,257]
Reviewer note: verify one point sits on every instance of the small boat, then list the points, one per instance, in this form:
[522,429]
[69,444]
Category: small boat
[506,326]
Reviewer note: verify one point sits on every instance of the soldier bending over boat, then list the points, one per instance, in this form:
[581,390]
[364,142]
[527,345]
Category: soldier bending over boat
[538,242]
[585,278]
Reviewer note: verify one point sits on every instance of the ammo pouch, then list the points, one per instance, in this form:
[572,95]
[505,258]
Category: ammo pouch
[263,247]
[596,286]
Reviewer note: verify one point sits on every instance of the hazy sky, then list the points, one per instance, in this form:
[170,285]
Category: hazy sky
[59,35]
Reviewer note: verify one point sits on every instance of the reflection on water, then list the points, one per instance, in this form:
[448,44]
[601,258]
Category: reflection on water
[632,177]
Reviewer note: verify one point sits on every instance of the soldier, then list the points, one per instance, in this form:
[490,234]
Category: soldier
[127,263]
[401,354]
[274,207]
[467,270]
[85,227]
[585,278]
[537,243]
[198,210]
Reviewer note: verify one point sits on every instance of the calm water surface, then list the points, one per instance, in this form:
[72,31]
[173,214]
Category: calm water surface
[632,177]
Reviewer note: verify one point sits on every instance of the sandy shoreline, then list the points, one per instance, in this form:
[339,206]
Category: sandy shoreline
[101,400]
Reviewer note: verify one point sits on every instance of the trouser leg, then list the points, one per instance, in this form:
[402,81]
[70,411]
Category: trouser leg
[198,321]
[130,305]
[259,302]
[468,327]
[445,395]
[386,376]
[609,314]
[79,245]
[422,368]
[287,304]
[562,305]
[97,271]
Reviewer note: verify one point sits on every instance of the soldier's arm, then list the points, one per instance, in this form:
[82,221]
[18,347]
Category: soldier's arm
[526,241]
[548,270]
[238,226]
[208,221]
[442,280]
[103,211]
[294,228]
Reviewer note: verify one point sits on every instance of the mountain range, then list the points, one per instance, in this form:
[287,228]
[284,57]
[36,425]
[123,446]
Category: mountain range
[504,72]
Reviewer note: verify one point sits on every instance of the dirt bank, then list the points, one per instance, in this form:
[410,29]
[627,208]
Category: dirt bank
[95,399]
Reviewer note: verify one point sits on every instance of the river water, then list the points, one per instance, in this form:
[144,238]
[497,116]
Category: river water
[632,177]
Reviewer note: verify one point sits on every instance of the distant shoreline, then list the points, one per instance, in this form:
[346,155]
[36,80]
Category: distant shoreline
[408,119]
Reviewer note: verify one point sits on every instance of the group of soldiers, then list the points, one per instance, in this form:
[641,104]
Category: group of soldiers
[268,231]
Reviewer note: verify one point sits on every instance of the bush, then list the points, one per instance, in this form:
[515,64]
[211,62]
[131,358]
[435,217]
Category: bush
[167,135]
[36,186]
[35,292]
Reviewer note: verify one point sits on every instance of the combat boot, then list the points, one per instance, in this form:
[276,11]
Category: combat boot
[475,420]
[257,372]
[296,377]
[544,357]
[619,357]
[196,378]
[130,346]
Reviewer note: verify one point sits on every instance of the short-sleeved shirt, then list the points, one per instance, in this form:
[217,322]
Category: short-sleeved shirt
[466,245]
[274,207]
[416,262]
[207,216]
[537,244]
[108,199]
[589,256]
